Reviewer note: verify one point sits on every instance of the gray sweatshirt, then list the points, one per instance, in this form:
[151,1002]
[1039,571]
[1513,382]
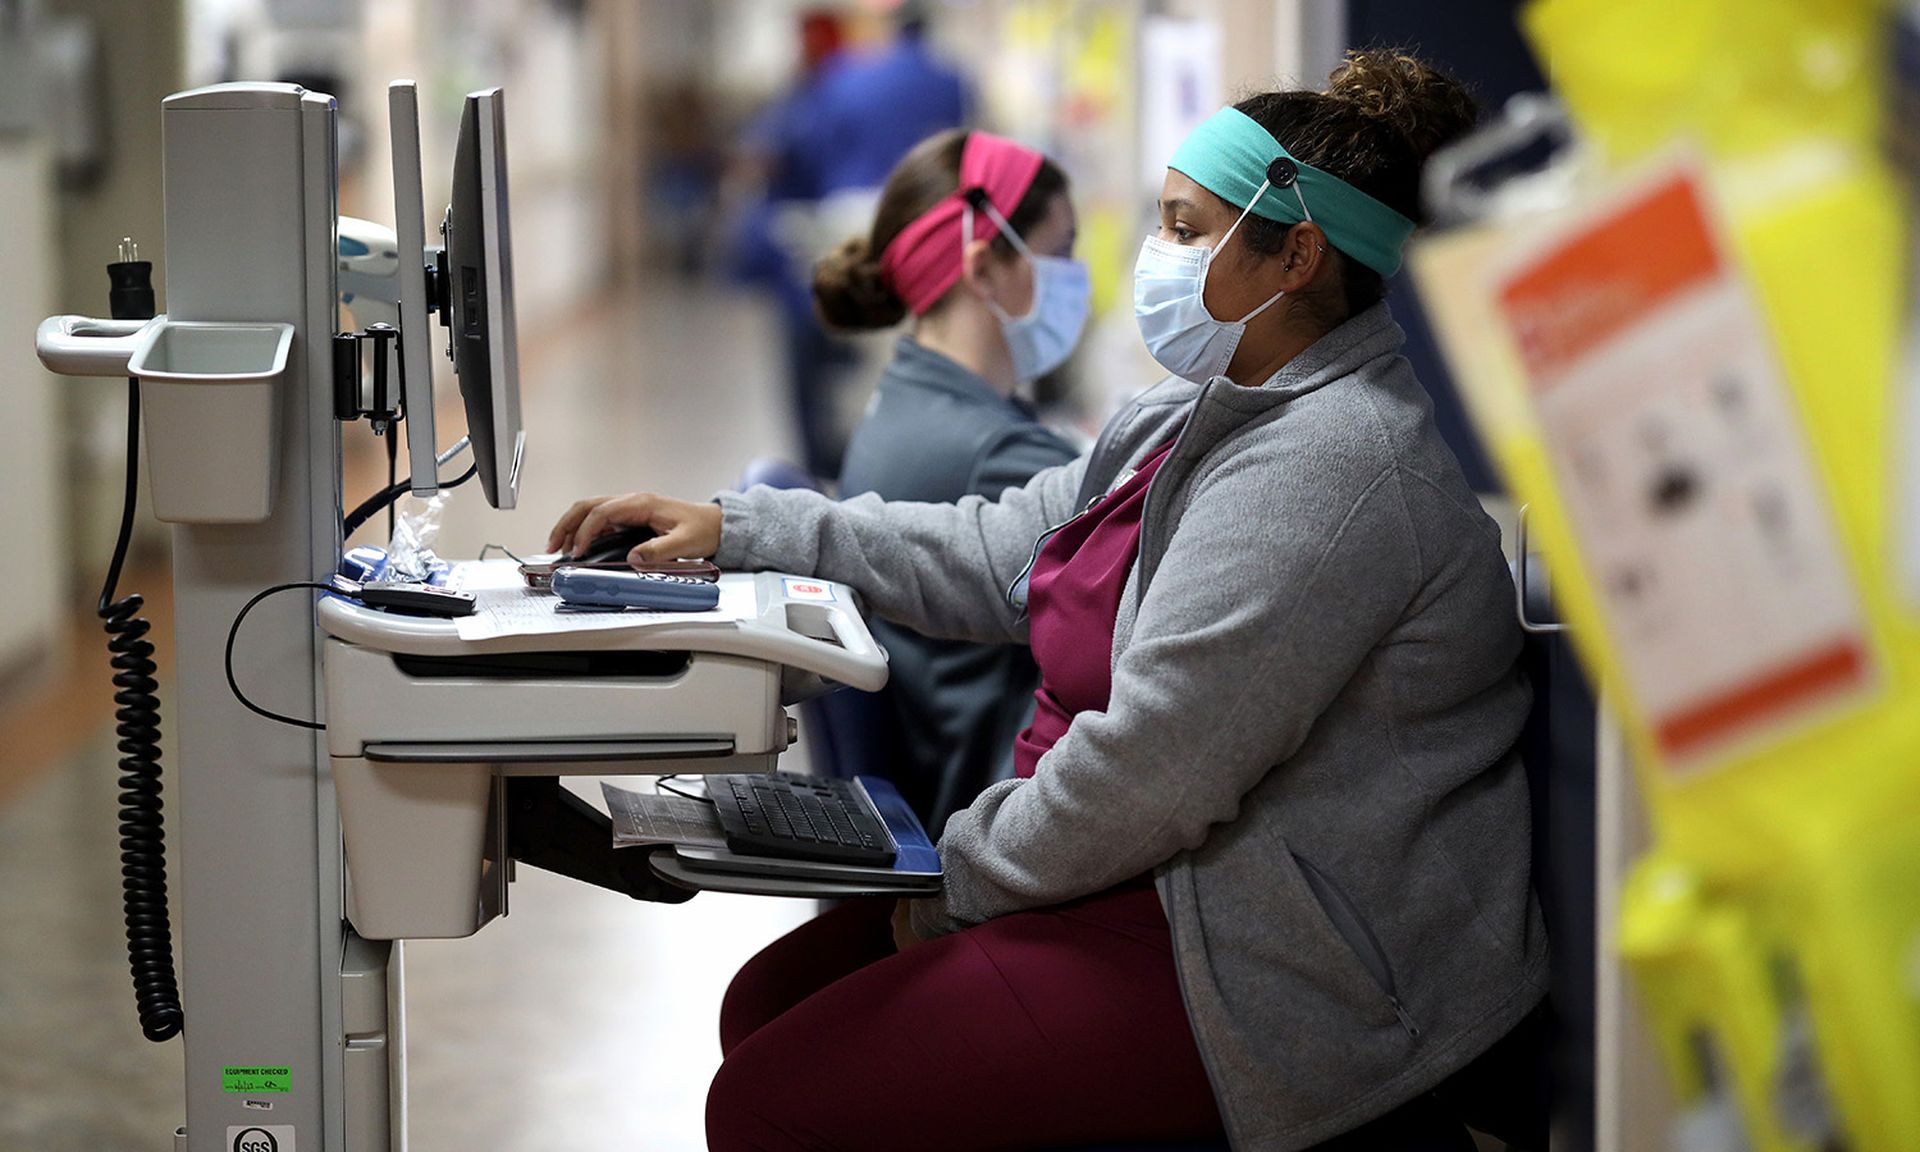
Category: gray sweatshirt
[1309,739]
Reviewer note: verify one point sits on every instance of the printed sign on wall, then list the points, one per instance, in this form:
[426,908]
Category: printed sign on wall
[1685,473]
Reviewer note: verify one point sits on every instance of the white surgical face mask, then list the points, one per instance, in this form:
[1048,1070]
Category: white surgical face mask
[1169,304]
[1041,340]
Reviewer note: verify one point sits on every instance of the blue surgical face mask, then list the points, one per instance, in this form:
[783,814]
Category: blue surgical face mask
[1169,304]
[1041,340]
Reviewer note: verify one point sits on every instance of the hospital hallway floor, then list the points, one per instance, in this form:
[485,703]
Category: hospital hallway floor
[583,1019]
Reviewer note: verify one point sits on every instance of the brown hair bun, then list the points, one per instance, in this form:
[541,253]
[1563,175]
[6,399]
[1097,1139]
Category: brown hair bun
[1424,105]
[851,292]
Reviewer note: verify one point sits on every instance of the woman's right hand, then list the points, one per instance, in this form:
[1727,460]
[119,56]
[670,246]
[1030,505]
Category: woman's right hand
[685,530]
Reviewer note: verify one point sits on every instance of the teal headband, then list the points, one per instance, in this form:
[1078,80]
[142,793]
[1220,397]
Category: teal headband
[1229,155]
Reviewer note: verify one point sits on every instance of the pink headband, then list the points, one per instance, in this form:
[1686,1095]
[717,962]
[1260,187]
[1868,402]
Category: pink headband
[923,261]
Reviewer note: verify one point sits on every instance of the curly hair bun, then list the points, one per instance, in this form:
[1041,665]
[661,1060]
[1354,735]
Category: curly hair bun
[850,292]
[1423,104]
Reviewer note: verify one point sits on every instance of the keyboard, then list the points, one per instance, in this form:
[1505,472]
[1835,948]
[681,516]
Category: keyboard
[802,817]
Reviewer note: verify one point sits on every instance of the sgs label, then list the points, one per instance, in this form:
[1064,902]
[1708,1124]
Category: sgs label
[260,1138]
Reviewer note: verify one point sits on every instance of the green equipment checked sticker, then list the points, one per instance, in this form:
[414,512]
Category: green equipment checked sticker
[237,1079]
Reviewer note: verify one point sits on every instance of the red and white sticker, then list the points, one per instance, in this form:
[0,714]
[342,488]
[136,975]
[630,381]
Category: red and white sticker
[1686,476]
[797,589]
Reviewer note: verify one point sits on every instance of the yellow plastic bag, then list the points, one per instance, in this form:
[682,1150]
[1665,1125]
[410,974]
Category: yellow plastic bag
[1807,216]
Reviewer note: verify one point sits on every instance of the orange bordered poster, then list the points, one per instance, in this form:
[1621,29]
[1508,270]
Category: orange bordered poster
[1685,475]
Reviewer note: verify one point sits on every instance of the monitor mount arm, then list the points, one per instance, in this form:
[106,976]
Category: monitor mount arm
[370,272]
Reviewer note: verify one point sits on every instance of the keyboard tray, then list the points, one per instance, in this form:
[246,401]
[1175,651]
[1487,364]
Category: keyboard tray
[671,868]
[914,872]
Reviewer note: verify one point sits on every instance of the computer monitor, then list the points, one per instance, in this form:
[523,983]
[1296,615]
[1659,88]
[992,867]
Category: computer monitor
[477,282]
[469,286]
[416,331]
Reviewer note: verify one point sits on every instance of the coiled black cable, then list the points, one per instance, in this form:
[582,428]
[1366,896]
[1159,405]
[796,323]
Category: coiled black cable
[143,849]
[143,854]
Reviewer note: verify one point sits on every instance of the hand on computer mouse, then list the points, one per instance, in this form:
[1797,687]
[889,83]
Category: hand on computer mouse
[683,530]
[616,545]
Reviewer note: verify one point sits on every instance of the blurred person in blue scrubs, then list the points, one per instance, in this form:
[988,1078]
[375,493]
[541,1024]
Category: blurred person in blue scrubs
[874,106]
[851,117]
[776,158]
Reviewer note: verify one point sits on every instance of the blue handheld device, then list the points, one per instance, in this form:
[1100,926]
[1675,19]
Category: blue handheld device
[599,588]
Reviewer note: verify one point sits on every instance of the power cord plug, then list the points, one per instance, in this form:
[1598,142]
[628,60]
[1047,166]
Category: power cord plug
[130,284]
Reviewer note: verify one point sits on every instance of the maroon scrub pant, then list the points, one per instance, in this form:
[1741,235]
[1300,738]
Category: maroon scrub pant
[1044,1029]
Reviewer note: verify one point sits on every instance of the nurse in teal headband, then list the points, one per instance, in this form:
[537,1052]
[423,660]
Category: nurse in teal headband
[1261,876]
[1283,216]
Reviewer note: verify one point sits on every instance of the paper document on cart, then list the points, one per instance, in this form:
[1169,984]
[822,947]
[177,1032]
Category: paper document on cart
[505,606]
[642,818]
[1687,477]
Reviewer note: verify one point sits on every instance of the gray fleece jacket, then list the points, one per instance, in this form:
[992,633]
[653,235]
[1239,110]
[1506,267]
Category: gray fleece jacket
[1310,735]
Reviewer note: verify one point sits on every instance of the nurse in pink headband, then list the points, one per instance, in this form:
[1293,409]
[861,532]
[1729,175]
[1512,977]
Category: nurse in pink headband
[972,239]
[969,247]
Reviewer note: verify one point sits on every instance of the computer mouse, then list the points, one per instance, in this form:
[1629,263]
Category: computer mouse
[614,545]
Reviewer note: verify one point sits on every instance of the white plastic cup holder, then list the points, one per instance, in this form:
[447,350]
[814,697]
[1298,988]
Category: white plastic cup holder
[211,397]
